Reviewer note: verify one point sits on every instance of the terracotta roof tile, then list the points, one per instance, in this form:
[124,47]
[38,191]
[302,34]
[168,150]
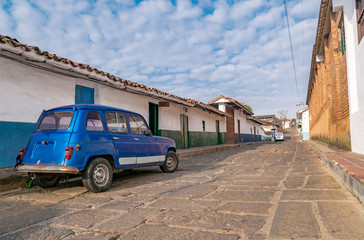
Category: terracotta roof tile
[231,100]
[15,43]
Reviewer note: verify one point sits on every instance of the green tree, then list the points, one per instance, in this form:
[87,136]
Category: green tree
[248,107]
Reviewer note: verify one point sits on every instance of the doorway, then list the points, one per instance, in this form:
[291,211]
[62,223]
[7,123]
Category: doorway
[239,137]
[255,134]
[153,118]
[184,129]
[219,140]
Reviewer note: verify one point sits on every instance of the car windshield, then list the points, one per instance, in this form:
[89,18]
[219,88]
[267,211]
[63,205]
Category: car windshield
[55,121]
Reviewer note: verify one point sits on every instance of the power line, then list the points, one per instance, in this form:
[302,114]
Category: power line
[290,41]
[279,41]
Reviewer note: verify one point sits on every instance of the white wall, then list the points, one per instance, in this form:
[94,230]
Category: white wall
[305,121]
[26,91]
[245,124]
[355,72]
[196,116]
[170,117]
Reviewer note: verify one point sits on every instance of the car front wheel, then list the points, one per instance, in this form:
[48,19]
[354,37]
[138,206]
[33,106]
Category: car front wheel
[97,176]
[171,163]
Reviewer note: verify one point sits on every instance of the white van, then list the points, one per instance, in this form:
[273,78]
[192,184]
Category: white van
[277,136]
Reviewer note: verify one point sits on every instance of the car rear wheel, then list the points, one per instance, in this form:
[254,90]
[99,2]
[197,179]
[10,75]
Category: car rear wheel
[47,181]
[171,163]
[97,176]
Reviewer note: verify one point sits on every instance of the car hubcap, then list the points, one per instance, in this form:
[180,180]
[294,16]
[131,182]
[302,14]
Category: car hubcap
[101,174]
[170,162]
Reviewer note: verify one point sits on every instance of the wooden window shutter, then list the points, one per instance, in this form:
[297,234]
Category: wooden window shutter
[360,18]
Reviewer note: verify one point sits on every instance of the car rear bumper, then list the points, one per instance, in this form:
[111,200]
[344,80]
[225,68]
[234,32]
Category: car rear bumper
[34,168]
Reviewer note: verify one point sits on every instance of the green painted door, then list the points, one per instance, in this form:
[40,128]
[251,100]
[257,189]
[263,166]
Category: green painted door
[153,118]
[219,135]
[184,129]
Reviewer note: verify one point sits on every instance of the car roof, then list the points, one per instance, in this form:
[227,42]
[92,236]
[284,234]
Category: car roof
[89,107]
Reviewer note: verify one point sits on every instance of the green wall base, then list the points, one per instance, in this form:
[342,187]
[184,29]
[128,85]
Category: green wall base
[195,139]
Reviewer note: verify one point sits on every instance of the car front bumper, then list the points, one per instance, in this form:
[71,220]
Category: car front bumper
[34,168]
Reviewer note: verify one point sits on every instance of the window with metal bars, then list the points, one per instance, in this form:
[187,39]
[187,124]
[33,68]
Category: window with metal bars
[360,18]
[342,36]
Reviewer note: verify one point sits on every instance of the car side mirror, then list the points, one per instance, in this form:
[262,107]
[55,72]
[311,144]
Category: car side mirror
[148,132]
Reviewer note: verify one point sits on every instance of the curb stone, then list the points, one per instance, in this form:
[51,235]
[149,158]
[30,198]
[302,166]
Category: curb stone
[349,181]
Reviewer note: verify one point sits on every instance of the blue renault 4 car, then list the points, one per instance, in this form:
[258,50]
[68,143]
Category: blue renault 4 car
[93,141]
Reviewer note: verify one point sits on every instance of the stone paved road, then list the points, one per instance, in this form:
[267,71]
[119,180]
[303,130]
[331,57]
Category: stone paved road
[259,191]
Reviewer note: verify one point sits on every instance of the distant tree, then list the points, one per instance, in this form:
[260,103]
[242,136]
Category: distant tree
[294,120]
[247,106]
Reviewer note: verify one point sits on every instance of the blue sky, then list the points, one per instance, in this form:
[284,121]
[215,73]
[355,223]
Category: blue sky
[194,49]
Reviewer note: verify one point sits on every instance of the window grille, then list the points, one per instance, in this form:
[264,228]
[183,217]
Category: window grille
[342,36]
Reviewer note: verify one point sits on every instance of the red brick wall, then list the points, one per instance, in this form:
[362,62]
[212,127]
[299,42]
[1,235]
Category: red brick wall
[329,102]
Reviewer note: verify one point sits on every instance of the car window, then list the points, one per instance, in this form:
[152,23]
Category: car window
[94,122]
[116,122]
[137,124]
[55,121]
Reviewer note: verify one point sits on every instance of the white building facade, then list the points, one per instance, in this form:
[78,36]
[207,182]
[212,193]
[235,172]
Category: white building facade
[354,46]
[32,81]
[303,119]
[242,126]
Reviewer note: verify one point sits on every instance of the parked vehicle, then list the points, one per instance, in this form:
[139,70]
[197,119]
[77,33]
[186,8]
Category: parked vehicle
[93,141]
[277,136]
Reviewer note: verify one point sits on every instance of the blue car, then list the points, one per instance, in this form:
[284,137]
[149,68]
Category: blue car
[93,141]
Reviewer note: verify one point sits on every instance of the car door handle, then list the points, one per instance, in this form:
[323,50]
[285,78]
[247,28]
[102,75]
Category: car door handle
[136,139]
[116,138]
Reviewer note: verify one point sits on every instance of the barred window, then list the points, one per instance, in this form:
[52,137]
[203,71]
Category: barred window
[342,36]
[360,18]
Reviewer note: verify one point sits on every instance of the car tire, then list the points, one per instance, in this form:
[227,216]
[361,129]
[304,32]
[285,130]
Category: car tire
[97,176]
[47,182]
[171,163]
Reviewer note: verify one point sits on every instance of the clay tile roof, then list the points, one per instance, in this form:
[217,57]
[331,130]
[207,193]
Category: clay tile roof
[231,100]
[15,43]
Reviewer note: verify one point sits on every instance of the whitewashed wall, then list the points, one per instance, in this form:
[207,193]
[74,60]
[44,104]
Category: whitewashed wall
[355,72]
[171,119]
[105,95]
[305,121]
[196,116]
[26,91]
[31,90]
[246,126]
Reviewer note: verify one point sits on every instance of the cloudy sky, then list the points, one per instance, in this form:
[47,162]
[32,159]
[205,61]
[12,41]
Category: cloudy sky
[190,48]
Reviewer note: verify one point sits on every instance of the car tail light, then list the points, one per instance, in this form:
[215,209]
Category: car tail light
[69,152]
[22,151]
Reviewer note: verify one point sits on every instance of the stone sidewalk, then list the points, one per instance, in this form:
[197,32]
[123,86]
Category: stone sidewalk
[12,180]
[268,191]
[348,167]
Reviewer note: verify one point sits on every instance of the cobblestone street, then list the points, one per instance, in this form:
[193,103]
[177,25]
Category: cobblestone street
[259,191]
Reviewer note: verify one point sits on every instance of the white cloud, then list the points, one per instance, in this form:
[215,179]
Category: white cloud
[192,50]
[6,24]
[245,9]
[220,13]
